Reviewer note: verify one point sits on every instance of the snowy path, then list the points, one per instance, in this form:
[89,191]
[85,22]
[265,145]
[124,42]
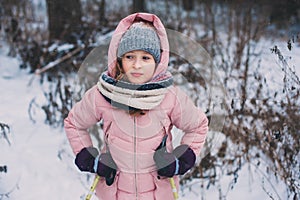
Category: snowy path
[34,170]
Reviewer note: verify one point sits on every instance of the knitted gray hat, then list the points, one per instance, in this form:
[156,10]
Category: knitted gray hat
[140,37]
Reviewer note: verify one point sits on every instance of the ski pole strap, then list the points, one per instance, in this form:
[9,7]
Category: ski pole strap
[96,163]
[177,166]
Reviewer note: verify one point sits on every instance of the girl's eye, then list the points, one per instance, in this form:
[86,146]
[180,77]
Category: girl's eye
[146,58]
[129,57]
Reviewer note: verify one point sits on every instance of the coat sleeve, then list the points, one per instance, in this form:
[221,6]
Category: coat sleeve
[82,116]
[191,120]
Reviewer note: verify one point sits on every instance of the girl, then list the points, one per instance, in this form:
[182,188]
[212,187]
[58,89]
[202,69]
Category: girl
[139,105]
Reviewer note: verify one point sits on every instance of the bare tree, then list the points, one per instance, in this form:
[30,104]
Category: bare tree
[64,19]
[138,5]
[188,5]
[102,17]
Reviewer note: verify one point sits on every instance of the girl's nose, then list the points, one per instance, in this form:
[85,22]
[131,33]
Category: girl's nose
[137,64]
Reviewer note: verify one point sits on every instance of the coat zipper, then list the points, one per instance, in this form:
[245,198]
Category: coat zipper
[135,162]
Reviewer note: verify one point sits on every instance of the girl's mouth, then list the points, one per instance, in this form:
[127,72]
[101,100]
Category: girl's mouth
[136,74]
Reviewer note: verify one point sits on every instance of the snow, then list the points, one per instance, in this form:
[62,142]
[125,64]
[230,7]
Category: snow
[63,47]
[40,161]
[34,170]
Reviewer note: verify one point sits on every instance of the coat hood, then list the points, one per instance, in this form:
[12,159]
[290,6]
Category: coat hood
[123,26]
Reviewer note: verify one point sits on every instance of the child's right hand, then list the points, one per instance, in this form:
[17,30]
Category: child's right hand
[107,168]
[87,160]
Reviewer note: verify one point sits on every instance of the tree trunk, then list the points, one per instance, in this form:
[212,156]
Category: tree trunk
[64,19]
[188,5]
[102,17]
[138,6]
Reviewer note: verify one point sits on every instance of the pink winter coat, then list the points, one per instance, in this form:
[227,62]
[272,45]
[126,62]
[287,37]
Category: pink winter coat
[132,140]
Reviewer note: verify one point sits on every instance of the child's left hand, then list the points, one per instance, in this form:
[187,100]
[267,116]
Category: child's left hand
[176,163]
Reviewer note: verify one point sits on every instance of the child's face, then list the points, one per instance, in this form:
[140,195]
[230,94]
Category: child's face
[139,66]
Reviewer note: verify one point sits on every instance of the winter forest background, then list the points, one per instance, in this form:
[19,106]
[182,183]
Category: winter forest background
[253,146]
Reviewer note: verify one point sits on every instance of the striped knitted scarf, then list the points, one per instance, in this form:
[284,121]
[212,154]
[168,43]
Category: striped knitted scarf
[130,96]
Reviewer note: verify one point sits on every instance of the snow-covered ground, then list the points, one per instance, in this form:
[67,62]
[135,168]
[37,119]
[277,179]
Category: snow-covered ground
[34,170]
[40,162]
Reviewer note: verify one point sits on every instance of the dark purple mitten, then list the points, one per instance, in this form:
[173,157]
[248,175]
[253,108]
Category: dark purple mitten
[176,163]
[85,159]
[186,157]
[107,168]
[165,162]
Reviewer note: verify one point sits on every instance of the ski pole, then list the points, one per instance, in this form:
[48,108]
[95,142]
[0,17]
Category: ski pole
[174,189]
[172,182]
[92,189]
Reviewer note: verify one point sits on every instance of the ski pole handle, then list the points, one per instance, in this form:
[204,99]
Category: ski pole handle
[174,189]
[92,189]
